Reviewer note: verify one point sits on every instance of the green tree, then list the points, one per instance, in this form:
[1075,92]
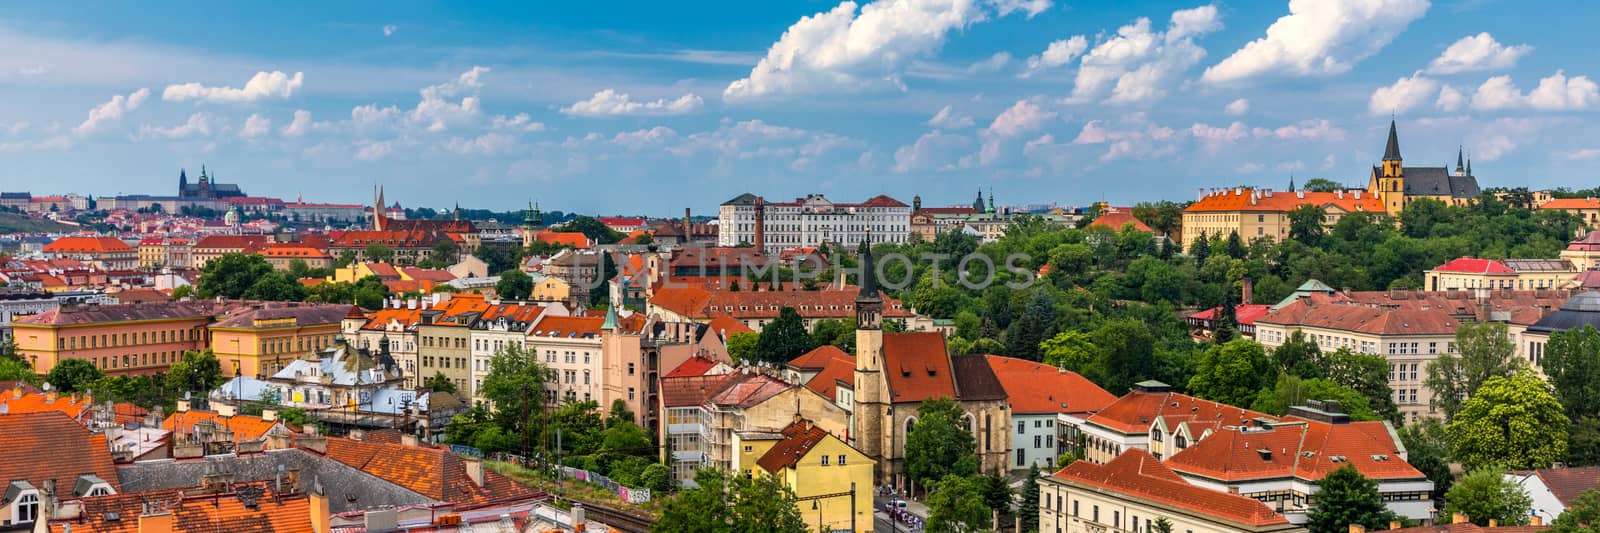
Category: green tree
[1345,497]
[1305,224]
[14,370]
[1290,391]
[1511,422]
[1072,350]
[1298,356]
[1483,351]
[939,443]
[1127,354]
[1231,373]
[1321,185]
[199,372]
[657,477]
[1367,375]
[1428,450]
[275,287]
[705,508]
[440,383]
[73,375]
[1028,503]
[1162,525]
[1485,494]
[742,346]
[1572,362]
[997,492]
[784,338]
[1583,445]
[378,253]
[230,275]
[514,285]
[515,387]
[182,292]
[594,229]
[619,413]
[840,333]
[957,505]
[1583,515]
[1036,325]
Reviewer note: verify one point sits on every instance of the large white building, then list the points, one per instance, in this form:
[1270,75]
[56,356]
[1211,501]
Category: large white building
[811,221]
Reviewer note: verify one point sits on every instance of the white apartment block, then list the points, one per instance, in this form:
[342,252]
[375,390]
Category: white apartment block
[811,221]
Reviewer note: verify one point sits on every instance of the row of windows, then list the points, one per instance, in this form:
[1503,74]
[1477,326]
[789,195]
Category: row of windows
[429,361]
[300,344]
[131,360]
[1399,372]
[429,341]
[1022,425]
[113,340]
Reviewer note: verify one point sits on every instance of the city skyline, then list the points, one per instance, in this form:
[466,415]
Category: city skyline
[689,105]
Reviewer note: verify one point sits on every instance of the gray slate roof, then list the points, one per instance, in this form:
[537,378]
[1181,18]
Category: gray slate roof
[1438,181]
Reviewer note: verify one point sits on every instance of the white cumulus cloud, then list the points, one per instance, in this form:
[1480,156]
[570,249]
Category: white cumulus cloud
[300,125]
[198,125]
[949,118]
[935,151]
[849,50]
[1137,64]
[255,126]
[1238,107]
[112,111]
[1404,94]
[610,103]
[1450,100]
[1554,93]
[263,85]
[519,122]
[1060,52]
[389,29]
[1477,52]
[1319,37]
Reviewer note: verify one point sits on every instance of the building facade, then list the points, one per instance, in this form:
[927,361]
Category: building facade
[810,222]
[1513,274]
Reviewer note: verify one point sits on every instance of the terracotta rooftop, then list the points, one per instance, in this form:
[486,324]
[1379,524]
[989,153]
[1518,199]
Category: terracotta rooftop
[92,314]
[1363,319]
[1296,447]
[798,440]
[568,238]
[1248,200]
[694,366]
[1141,476]
[838,372]
[432,472]
[1116,220]
[1568,483]
[917,366]
[17,401]
[91,245]
[303,315]
[1034,388]
[727,325]
[819,357]
[1135,411]
[1467,527]
[1245,314]
[568,327]
[702,303]
[245,427]
[1473,265]
[48,445]
[1571,203]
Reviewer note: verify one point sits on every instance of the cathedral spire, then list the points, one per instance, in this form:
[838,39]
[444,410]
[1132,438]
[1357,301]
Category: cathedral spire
[869,285]
[978,205]
[1460,168]
[1291,182]
[1391,152]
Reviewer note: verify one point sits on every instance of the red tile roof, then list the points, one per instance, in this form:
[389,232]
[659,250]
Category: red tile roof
[428,274]
[798,440]
[231,242]
[1034,388]
[621,221]
[694,366]
[245,427]
[1568,483]
[918,367]
[1571,203]
[1133,412]
[1589,243]
[881,201]
[568,327]
[819,357]
[1246,314]
[838,372]
[704,303]
[1246,200]
[1116,220]
[691,391]
[94,245]
[727,325]
[432,472]
[383,270]
[20,401]
[1140,476]
[1473,265]
[569,238]
[1364,319]
[49,445]
[1304,449]
[194,512]
[746,390]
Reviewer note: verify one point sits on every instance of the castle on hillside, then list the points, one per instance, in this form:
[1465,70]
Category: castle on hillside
[1397,185]
[205,189]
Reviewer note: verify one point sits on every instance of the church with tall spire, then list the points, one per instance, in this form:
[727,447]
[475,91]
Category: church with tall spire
[1397,184]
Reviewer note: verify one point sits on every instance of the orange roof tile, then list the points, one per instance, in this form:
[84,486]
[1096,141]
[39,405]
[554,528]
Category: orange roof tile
[1117,219]
[568,326]
[194,513]
[837,372]
[1038,388]
[1248,200]
[245,427]
[18,402]
[1133,412]
[569,238]
[1141,476]
[727,325]
[432,472]
[799,438]
[1571,203]
[918,367]
[51,446]
[705,303]
[95,245]
[819,357]
[1305,449]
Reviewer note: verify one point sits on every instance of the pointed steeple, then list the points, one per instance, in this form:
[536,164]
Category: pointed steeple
[991,200]
[869,283]
[1469,166]
[611,318]
[978,204]
[1291,182]
[1391,152]
[1460,167]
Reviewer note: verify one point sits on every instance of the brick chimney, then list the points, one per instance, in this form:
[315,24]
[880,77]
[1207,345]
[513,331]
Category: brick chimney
[1248,289]
[1536,520]
[1358,528]
[687,225]
[474,470]
[320,517]
[1458,518]
[155,521]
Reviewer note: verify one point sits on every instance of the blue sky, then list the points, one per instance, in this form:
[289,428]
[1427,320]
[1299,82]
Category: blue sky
[651,107]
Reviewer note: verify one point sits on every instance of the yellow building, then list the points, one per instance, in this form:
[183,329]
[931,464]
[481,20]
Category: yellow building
[356,271]
[1264,214]
[829,478]
[1514,274]
[1397,185]
[1584,253]
[1131,493]
[261,341]
[550,289]
[1587,209]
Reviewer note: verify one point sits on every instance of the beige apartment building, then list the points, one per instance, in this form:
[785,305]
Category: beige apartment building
[1514,274]
[1130,493]
[1264,213]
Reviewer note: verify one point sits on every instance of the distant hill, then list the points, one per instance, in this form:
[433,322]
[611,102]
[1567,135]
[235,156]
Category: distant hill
[15,223]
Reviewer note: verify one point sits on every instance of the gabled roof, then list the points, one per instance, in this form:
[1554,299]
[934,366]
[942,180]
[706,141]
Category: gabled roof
[746,390]
[96,245]
[48,445]
[194,512]
[819,357]
[917,366]
[245,427]
[1473,265]
[840,372]
[727,325]
[432,472]
[569,238]
[1140,476]
[1116,220]
[1035,388]
[1296,447]
[1134,411]
[1568,483]
[1571,203]
[798,440]
[694,366]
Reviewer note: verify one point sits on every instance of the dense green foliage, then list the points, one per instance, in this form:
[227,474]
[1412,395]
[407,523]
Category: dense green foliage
[1345,497]
[939,444]
[247,276]
[957,504]
[73,375]
[1582,515]
[724,504]
[1485,494]
[783,339]
[1483,351]
[1510,422]
[514,284]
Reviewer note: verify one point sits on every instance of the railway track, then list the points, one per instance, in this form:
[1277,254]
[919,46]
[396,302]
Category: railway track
[621,520]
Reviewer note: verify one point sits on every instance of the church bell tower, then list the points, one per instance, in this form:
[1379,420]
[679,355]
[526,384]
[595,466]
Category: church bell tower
[1391,178]
[871,402]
